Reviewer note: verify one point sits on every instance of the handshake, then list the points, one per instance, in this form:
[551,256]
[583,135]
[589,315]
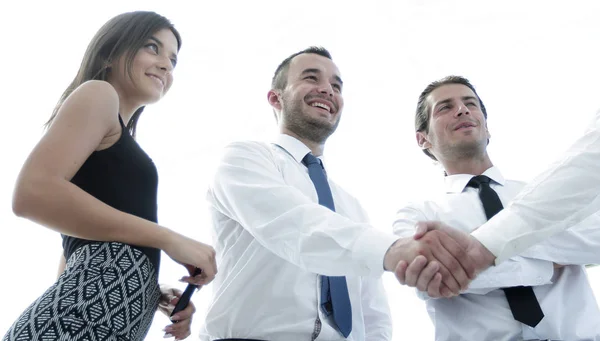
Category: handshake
[438,259]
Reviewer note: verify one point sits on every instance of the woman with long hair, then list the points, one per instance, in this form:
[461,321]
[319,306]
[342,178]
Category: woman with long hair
[88,179]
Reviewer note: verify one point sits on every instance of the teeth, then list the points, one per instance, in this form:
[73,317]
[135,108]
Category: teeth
[321,105]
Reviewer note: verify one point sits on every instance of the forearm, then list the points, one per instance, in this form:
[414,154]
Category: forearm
[310,236]
[516,271]
[579,245]
[284,219]
[561,197]
[65,208]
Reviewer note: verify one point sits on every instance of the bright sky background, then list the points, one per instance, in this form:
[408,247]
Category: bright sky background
[534,63]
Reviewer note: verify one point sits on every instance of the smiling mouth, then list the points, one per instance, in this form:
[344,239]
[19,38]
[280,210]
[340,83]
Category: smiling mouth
[464,127]
[321,106]
[157,80]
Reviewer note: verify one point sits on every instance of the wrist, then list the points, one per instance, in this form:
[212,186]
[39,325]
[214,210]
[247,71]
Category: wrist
[484,257]
[393,254]
[163,238]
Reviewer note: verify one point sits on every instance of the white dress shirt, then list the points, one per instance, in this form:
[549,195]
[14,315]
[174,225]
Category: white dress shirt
[273,240]
[563,196]
[482,312]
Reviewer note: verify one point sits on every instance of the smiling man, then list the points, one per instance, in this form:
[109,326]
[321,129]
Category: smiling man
[297,257]
[541,294]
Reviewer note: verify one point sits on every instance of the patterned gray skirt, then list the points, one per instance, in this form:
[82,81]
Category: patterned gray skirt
[108,291]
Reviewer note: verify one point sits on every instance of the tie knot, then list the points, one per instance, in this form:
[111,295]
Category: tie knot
[310,159]
[479,180]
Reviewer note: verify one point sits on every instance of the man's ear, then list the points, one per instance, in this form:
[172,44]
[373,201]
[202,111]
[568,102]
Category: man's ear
[274,98]
[422,140]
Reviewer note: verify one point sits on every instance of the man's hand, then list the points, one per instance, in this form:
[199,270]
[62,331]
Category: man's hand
[421,274]
[424,276]
[481,256]
[182,321]
[440,252]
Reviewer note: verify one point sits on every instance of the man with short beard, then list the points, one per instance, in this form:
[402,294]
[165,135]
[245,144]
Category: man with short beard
[297,257]
[541,294]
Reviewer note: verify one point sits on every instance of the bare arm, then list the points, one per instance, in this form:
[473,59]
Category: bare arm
[44,193]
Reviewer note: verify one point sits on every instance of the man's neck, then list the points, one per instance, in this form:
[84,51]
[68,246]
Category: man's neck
[472,165]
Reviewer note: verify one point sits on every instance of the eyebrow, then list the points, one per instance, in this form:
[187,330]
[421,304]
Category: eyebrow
[161,45]
[464,98]
[337,78]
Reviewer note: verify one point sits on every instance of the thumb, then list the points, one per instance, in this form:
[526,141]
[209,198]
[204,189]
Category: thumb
[425,226]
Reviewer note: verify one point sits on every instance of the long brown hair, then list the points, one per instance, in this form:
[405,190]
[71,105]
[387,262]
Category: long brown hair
[122,35]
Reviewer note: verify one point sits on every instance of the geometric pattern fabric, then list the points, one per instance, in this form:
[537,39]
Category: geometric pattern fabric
[108,292]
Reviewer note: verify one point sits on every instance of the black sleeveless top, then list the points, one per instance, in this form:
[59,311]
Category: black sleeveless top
[124,177]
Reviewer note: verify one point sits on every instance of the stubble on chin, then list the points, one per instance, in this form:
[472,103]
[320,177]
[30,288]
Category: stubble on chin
[305,126]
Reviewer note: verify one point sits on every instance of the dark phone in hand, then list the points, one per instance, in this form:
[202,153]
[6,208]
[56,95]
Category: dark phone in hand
[184,300]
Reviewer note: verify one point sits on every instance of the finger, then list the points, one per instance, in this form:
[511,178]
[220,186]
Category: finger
[184,315]
[203,279]
[190,269]
[209,271]
[167,305]
[427,275]
[184,336]
[165,299]
[400,271]
[445,291]
[414,269]
[179,330]
[423,227]
[433,244]
[453,275]
[198,280]
[464,270]
[457,244]
[433,289]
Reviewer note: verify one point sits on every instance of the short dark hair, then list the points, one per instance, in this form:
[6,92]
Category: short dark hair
[279,81]
[423,114]
[122,35]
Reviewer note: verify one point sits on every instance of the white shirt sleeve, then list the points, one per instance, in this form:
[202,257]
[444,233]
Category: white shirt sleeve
[579,245]
[514,272]
[250,189]
[376,311]
[563,196]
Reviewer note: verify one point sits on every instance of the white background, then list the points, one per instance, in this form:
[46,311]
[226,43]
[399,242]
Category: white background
[534,64]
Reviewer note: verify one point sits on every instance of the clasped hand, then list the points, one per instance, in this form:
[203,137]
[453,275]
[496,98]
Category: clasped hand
[438,259]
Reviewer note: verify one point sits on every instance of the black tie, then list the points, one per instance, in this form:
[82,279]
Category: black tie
[522,301]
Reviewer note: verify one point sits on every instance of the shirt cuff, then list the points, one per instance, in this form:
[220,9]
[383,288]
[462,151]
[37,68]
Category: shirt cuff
[501,235]
[370,249]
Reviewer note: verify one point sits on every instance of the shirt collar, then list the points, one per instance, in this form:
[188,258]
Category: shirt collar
[294,147]
[456,183]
